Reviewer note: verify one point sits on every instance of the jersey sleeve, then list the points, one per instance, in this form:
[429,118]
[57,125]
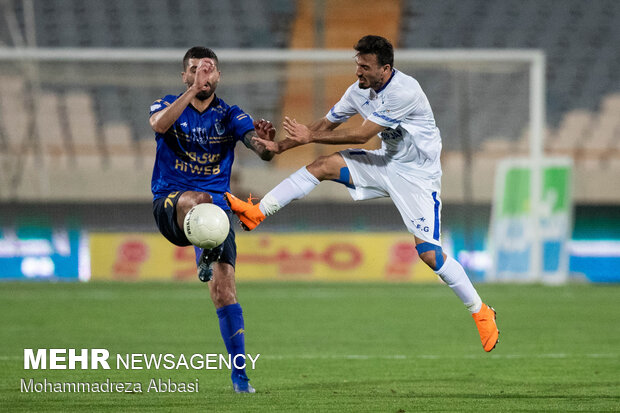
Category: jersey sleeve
[395,109]
[342,110]
[161,104]
[240,121]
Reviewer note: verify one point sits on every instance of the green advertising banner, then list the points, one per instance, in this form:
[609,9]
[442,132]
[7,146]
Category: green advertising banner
[528,234]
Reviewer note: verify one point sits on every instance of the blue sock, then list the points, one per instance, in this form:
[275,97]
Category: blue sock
[232,329]
[198,251]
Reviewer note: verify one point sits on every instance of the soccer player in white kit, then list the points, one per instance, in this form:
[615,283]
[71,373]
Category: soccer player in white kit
[407,167]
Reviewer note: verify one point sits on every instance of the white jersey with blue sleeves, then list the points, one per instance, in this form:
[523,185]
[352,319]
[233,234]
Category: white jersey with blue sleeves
[412,142]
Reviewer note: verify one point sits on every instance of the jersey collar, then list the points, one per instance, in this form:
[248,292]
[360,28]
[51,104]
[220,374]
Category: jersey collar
[213,103]
[388,82]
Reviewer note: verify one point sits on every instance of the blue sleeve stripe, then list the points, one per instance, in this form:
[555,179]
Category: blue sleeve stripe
[385,117]
[336,115]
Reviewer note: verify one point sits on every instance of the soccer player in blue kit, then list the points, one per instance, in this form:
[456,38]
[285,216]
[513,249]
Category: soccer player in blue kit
[196,134]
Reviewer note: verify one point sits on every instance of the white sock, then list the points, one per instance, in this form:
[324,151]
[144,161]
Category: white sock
[453,274]
[296,186]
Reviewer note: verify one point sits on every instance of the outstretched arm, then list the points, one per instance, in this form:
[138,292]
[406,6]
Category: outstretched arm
[303,134]
[322,124]
[263,132]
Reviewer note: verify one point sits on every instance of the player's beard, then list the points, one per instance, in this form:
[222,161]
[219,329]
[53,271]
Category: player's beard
[369,84]
[204,94]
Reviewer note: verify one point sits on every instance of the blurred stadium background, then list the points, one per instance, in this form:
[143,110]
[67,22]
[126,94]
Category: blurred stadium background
[77,78]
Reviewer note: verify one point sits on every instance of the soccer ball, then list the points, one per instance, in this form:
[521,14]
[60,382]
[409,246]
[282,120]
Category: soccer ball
[206,225]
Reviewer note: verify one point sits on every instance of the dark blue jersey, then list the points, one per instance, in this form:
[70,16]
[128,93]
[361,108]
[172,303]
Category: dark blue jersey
[197,152]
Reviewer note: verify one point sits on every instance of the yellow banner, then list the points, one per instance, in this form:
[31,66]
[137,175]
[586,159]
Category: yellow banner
[299,256]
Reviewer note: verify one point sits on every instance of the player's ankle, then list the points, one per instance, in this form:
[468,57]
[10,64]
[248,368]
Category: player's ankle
[269,205]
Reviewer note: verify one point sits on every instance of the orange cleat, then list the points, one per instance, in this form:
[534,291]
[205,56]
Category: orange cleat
[249,214]
[485,321]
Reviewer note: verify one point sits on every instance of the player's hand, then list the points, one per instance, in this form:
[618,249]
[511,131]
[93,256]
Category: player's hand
[264,139]
[265,129]
[203,74]
[268,144]
[297,131]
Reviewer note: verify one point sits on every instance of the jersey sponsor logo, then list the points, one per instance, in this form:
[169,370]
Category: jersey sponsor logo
[205,158]
[201,135]
[220,139]
[197,169]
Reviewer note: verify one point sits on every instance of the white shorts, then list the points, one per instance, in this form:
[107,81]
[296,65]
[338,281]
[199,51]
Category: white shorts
[417,199]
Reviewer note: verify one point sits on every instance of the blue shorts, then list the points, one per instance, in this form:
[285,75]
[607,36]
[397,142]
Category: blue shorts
[165,213]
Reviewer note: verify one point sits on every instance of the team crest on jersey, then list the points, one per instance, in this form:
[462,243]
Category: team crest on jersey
[219,128]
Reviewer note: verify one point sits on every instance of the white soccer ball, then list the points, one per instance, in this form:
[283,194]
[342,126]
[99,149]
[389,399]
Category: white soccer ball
[206,225]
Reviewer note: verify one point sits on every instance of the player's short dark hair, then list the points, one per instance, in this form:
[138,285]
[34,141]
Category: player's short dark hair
[199,52]
[379,46]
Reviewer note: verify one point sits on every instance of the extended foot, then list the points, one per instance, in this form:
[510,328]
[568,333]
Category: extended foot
[205,266]
[249,214]
[485,321]
[241,383]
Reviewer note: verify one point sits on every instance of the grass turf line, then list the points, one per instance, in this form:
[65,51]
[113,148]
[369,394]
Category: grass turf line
[324,346]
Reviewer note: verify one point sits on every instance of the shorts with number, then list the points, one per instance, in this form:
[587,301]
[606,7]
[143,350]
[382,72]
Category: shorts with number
[165,213]
[417,199]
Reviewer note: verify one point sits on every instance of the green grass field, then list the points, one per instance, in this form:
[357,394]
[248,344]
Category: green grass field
[324,347]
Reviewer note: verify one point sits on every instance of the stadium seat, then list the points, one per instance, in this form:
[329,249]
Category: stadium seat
[13,110]
[82,123]
[579,38]
[572,132]
[49,124]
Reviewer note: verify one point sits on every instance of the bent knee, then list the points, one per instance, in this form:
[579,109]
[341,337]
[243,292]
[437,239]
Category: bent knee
[200,198]
[187,201]
[327,167]
[190,199]
[432,255]
[429,258]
